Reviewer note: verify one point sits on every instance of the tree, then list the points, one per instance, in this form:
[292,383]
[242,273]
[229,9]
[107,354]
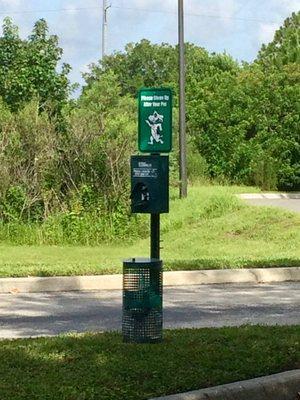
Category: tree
[43,172]
[285,47]
[101,139]
[28,68]
[141,65]
[145,64]
[247,126]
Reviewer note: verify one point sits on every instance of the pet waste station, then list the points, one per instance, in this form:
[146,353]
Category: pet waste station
[142,320]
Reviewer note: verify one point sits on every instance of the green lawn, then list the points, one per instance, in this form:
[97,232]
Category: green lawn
[100,366]
[210,229]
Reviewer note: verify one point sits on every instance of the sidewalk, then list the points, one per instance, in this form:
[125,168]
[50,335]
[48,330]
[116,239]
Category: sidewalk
[284,386]
[180,278]
[270,196]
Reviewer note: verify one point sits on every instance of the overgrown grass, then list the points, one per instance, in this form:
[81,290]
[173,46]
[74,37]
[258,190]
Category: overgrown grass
[97,227]
[100,366]
[212,228]
[89,228]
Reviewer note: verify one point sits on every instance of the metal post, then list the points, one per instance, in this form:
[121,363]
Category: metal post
[104,27]
[155,236]
[182,122]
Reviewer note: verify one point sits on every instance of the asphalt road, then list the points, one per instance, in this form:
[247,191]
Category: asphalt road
[23,315]
[289,204]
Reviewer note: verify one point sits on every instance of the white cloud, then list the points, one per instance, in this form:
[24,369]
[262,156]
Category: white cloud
[10,3]
[281,9]
[232,25]
[220,8]
[86,67]
[266,32]
[208,22]
[289,5]
[158,5]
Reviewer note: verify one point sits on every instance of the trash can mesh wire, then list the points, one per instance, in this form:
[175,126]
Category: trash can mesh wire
[142,301]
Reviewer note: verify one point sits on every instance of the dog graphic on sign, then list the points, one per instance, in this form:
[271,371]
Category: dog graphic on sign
[155,122]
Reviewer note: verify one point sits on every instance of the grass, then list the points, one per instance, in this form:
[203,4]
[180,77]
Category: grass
[210,229]
[100,366]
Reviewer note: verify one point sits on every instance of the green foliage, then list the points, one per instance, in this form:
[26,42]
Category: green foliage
[13,203]
[285,48]
[245,121]
[150,65]
[84,170]
[147,65]
[210,229]
[242,122]
[141,65]
[264,171]
[65,165]
[197,168]
[220,205]
[76,183]
[101,140]
[27,153]
[28,68]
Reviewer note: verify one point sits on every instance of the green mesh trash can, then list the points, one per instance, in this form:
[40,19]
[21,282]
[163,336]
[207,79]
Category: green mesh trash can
[142,300]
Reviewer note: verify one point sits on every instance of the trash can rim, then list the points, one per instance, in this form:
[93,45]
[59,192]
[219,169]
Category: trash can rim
[140,260]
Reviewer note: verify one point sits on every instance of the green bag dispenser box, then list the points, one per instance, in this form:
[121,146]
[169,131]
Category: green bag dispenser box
[150,184]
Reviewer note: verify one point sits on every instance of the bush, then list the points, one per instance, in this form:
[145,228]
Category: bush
[264,171]
[247,129]
[45,172]
[197,168]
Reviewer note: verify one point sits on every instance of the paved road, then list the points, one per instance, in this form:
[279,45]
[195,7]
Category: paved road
[289,204]
[190,306]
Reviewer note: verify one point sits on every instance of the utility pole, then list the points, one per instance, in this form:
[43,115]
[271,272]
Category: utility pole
[104,27]
[182,121]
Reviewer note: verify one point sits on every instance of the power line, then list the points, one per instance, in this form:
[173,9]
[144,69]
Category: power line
[196,15]
[57,10]
[137,9]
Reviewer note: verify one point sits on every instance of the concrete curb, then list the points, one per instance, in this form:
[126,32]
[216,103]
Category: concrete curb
[249,196]
[114,282]
[284,386]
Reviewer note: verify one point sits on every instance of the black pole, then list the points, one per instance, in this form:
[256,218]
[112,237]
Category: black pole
[182,118]
[155,236]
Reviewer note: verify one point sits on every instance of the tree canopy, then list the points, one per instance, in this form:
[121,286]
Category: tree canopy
[243,119]
[243,122]
[29,68]
[145,64]
[285,47]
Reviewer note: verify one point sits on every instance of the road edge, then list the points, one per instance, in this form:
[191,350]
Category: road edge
[174,278]
[283,386]
[270,196]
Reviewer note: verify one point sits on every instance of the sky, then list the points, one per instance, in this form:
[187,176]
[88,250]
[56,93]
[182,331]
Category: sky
[238,27]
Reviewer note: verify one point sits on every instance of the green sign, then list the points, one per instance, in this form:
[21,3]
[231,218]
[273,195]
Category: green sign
[155,120]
